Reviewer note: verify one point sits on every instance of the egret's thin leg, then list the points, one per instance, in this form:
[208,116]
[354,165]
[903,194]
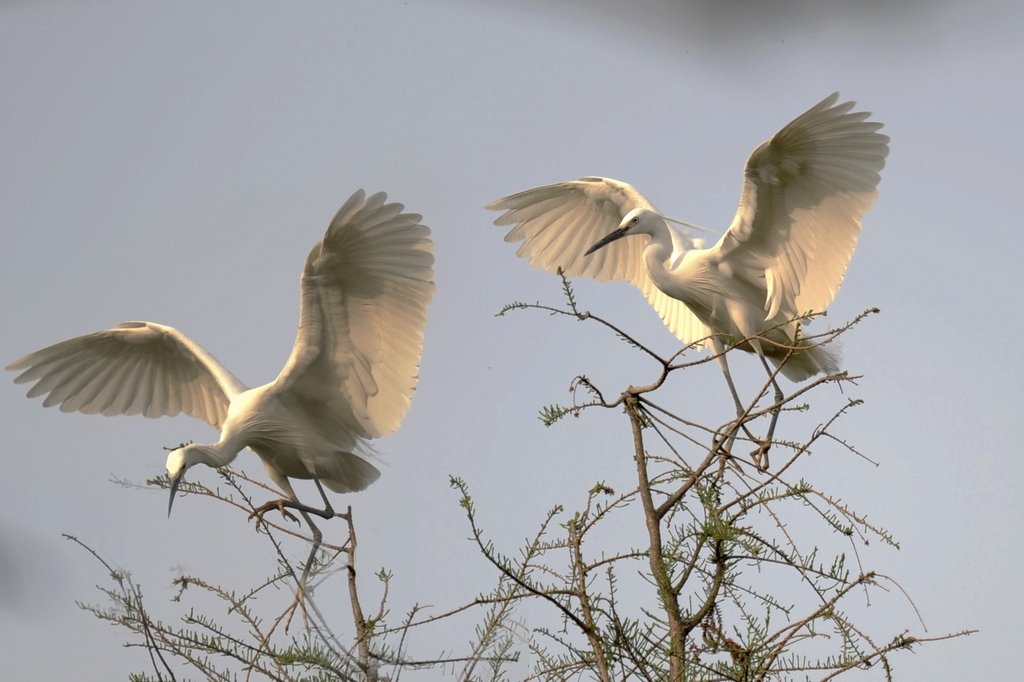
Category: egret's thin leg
[328,509]
[761,454]
[327,513]
[317,540]
[719,348]
[724,364]
[318,537]
[300,592]
[293,503]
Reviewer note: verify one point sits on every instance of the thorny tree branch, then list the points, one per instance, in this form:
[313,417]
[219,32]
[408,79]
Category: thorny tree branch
[704,528]
[701,607]
[259,647]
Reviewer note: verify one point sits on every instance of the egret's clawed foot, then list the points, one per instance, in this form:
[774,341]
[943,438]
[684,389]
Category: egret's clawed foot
[297,604]
[279,505]
[760,455]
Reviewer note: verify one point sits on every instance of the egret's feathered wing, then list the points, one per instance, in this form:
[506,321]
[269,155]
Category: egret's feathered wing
[558,223]
[804,194]
[365,289]
[135,368]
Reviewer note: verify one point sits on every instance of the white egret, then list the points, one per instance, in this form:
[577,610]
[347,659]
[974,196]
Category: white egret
[350,377]
[785,254]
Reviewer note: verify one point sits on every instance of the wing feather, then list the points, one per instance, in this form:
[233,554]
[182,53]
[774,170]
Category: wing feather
[804,194]
[134,368]
[558,223]
[573,216]
[365,290]
[87,387]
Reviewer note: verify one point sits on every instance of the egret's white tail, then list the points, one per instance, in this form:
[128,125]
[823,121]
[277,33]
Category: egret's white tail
[804,364]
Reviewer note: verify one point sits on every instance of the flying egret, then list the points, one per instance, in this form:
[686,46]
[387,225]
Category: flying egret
[350,377]
[785,254]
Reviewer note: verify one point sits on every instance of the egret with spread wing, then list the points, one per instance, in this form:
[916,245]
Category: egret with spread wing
[350,377]
[785,254]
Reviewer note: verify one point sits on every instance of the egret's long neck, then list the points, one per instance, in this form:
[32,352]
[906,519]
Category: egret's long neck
[659,249]
[215,455]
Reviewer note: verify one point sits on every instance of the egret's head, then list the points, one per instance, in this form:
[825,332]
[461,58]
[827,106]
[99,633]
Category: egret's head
[631,224]
[177,462]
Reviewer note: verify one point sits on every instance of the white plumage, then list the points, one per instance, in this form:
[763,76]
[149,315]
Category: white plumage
[350,377]
[785,254]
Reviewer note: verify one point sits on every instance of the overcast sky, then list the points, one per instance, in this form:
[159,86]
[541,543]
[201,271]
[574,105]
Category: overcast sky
[174,162]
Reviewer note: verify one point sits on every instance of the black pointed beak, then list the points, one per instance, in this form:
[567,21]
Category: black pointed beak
[617,234]
[175,482]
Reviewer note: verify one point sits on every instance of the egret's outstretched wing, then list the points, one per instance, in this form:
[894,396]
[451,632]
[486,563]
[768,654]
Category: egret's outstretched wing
[135,368]
[365,290]
[804,194]
[558,223]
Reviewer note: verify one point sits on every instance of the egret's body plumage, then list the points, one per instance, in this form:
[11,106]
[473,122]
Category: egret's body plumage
[350,377]
[785,254]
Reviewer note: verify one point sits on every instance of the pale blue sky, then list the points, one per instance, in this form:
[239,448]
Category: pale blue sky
[175,162]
